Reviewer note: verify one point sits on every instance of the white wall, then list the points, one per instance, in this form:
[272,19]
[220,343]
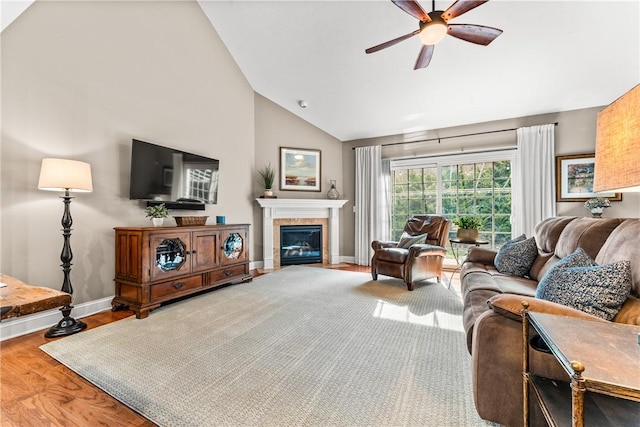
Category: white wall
[79,81]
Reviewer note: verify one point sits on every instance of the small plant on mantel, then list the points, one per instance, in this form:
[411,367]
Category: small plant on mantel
[268,175]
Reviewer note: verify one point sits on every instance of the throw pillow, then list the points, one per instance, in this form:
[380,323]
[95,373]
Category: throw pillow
[516,256]
[406,240]
[578,282]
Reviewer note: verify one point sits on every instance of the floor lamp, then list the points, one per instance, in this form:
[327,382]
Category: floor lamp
[617,164]
[68,176]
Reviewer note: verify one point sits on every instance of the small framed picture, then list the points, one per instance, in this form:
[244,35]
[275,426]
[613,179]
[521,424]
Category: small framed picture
[299,169]
[574,179]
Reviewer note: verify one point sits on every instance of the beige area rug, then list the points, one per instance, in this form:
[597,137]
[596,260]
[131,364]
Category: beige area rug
[300,346]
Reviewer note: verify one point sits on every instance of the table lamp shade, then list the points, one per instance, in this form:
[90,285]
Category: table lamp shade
[617,163]
[61,174]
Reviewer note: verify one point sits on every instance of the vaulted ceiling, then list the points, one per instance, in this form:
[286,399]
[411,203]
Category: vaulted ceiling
[553,56]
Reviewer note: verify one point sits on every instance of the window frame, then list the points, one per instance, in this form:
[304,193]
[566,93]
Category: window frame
[447,160]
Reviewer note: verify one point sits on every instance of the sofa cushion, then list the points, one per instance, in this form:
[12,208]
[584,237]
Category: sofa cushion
[577,281]
[406,240]
[586,233]
[548,232]
[623,244]
[516,256]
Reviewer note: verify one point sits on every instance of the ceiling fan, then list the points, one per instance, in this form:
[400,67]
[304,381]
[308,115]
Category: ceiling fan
[433,26]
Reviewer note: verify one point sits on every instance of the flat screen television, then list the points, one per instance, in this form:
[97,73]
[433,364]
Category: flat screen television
[179,179]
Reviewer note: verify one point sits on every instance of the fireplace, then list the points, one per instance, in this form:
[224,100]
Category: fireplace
[300,244]
[282,212]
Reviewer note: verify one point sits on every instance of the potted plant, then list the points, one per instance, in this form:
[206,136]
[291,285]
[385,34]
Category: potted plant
[596,205]
[157,214]
[268,175]
[468,226]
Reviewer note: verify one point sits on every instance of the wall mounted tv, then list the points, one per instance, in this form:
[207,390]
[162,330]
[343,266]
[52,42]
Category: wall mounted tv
[176,178]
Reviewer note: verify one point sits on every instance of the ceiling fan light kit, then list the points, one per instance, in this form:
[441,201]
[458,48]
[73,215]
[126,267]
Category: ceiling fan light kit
[433,32]
[435,25]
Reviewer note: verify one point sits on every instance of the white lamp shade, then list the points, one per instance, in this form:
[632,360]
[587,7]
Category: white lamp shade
[617,164]
[61,174]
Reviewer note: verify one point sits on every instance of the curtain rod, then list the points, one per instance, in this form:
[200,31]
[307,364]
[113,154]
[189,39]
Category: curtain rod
[449,137]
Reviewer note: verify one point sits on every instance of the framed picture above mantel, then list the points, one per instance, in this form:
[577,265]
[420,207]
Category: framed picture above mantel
[300,169]
[574,179]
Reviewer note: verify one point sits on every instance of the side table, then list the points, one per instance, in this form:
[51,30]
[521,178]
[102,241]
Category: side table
[601,360]
[456,244]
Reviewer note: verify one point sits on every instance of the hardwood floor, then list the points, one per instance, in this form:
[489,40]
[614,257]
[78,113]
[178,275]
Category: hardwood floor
[36,390]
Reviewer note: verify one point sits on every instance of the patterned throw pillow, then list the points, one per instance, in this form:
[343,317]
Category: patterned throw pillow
[578,282]
[516,256]
[406,240]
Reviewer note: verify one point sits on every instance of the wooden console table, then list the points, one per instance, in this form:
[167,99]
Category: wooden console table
[160,264]
[18,299]
[602,360]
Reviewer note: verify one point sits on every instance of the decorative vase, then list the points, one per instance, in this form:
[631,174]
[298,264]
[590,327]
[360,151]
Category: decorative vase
[157,222]
[333,194]
[596,212]
[268,193]
[467,234]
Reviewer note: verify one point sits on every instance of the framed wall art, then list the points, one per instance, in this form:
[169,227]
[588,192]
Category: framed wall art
[299,169]
[574,179]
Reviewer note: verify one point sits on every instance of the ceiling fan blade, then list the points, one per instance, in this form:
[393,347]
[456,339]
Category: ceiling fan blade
[413,8]
[391,42]
[424,57]
[478,34]
[460,7]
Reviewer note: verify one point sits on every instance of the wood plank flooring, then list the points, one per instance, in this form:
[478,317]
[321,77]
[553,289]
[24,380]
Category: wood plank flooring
[36,390]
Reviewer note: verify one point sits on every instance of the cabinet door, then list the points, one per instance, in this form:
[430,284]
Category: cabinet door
[205,252]
[169,254]
[129,255]
[235,246]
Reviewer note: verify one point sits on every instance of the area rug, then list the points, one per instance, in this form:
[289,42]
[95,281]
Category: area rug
[298,347]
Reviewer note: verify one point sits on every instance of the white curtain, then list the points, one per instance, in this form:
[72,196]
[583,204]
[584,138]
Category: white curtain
[533,179]
[372,201]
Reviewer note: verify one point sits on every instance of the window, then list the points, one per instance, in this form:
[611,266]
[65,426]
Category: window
[453,186]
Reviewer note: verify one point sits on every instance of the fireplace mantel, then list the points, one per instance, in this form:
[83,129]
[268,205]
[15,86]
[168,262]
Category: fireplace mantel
[300,208]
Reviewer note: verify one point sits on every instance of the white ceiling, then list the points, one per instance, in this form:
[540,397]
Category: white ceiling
[553,56]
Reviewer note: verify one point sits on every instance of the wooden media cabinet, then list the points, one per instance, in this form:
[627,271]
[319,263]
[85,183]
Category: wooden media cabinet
[159,264]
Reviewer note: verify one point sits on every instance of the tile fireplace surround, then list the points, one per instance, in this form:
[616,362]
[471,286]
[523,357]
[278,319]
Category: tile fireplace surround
[277,212]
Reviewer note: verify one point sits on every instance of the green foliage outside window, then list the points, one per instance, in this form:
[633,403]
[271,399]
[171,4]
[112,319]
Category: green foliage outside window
[482,189]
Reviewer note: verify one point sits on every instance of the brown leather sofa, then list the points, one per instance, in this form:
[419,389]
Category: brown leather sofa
[492,304]
[419,262]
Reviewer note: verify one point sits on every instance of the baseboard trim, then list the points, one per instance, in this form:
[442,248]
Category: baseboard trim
[18,326]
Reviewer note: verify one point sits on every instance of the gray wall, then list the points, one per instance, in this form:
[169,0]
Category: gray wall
[79,81]
[276,127]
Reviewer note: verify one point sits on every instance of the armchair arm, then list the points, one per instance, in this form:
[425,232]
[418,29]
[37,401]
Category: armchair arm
[481,255]
[425,250]
[379,244]
[510,305]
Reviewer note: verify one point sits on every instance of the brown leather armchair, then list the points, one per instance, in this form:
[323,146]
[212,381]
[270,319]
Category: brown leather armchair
[420,261]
